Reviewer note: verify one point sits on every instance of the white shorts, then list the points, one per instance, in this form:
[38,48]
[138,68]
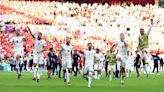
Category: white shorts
[66,64]
[88,68]
[142,54]
[19,52]
[123,60]
[38,59]
[112,68]
[98,66]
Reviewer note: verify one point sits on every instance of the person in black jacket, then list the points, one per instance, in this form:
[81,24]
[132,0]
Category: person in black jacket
[75,64]
[50,63]
[137,63]
[156,59]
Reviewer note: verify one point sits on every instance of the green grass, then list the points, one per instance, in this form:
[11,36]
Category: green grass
[9,83]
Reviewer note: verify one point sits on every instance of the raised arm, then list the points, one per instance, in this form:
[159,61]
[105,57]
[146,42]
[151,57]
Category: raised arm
[152,24]
[29,30]
[148,32]
[115,44]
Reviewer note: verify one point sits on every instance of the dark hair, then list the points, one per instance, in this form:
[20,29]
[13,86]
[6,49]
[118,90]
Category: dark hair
[122,34]
[97,49]
[89,43]
[141,29]
[51,49]
[128,29]
[40,33]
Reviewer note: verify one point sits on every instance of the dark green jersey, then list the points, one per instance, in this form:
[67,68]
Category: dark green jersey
[112,58]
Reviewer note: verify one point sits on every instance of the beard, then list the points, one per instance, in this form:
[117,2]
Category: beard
[68,43]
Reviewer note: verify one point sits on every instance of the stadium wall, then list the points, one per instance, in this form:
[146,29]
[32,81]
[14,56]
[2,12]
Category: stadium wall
[142,2]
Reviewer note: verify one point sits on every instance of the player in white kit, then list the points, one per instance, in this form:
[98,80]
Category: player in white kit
[65,57]
[18,51]
[89,61]
[122,56]
[129,65]
[99,64]
[39,48]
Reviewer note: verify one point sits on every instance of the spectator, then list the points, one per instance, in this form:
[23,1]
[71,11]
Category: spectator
[12,63]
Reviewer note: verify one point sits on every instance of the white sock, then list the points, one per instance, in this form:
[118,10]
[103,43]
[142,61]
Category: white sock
[68,77]
[21,60]
[99,76]
[90,79]
[38,73]
[110,77]
[95,76]
[40,70]
[34,72]
[121,78]
[127,74]
[146,71]
[18,70]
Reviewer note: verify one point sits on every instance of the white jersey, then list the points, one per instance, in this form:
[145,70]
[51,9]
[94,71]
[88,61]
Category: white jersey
[66,52]
[121,48]
[38,46]
[99,57]
[18,42]
[89,57]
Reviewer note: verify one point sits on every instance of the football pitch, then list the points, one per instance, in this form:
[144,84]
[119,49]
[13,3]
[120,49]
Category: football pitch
[10,83]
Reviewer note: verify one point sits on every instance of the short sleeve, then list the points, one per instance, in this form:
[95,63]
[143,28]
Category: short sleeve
[94,52]
[102,57]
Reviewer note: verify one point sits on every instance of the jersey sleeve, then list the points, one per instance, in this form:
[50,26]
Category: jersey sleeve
[102,58]
[94,52]
[44,43]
